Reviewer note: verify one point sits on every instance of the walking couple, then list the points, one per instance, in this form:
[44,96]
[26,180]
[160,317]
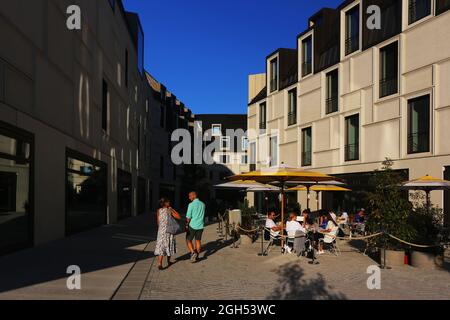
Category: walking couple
[165,244]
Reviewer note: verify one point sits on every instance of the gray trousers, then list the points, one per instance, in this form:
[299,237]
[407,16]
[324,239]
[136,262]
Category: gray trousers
[299,242]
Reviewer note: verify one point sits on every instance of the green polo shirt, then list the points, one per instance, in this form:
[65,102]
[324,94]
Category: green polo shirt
[196,212]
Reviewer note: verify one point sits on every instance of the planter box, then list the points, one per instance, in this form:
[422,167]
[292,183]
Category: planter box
[424,260]
[394,258]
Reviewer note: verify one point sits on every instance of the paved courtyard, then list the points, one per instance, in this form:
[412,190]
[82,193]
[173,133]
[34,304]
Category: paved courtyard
[118,263]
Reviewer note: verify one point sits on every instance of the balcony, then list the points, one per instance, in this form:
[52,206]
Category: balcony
[388,86]
[352,152]
[306,158]
[332,105]
[351,44]
[292,118]
[418,142]
[306,68]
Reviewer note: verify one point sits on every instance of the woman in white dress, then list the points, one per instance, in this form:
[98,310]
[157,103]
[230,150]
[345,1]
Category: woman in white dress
[165,243]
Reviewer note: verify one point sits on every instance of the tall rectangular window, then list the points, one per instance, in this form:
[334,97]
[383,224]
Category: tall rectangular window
[419,125]
[105,105]
[332,94]
[274,75]
[86,193]
[124,195]
[16,220]
[252,156]
[273,151]
[442,6]
[307,56]
[352,30]
[140,50]
[292,107]
[262,116]
[141,195]
[126,68]
[389,70]
[306,147]
[352,138]
[418,9]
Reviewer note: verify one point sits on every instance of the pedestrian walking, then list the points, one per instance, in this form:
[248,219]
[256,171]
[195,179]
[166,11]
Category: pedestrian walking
[195,225]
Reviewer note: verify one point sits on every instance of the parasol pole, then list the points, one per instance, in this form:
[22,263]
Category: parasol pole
[282,215]
[308,196]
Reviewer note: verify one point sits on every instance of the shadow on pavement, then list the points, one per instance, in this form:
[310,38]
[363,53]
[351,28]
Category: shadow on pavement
[293,286]
[97,250]
[208,250]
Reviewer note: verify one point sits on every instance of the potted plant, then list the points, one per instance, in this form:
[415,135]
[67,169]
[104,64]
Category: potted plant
[427,223]
[247,215]
[389,212]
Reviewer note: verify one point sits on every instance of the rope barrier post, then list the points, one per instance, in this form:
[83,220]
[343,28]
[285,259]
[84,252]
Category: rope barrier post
[227,229]
[234,234]
[262,242]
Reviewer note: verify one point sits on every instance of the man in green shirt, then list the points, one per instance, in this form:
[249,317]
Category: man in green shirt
[195,225]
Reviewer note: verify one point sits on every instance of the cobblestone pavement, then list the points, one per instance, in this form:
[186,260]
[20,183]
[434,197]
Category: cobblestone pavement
[227,273]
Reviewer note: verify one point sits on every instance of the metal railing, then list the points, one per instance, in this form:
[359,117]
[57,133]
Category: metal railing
[306,68]
[292,118]
[418,142]
[388,86]
[351,44]
[352,152]
[306,158]
[332,105]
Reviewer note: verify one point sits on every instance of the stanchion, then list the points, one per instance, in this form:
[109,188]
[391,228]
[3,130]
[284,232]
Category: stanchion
[312,244]
[234,235]
[261,254]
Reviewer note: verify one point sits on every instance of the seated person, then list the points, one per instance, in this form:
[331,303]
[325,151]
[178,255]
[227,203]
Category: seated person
[343,219]
[330,226]
[359,218]
[270,224]
[293,225]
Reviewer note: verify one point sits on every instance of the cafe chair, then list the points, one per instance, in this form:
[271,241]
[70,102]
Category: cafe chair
[271,239]
[330,241]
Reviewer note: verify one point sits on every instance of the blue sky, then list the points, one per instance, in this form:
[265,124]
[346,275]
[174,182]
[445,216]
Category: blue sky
[204,50]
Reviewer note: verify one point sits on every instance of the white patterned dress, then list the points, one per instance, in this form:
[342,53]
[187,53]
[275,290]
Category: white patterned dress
[165,243]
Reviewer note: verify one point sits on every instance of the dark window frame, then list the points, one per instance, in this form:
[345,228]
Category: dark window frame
[332,100]
[352,41]
[352,150]
[307,62]
[105,105]
[292,109]
[441,6]
[263,119]
[415,16]
[306,155]
[424,136]
[389,80]
[274,71]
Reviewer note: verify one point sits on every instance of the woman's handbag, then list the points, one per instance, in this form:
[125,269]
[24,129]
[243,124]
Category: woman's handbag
[173,227]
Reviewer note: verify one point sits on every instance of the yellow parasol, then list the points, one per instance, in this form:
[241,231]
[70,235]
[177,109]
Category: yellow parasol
[280,175]
[427,184]
[320,188]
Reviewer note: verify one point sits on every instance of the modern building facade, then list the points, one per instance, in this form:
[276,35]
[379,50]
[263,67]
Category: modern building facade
[78,122]
[355,96]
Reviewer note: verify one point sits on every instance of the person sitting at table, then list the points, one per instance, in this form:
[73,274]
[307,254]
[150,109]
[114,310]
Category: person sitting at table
[295,231]
[330,226]
[359,218]
[272,226]
[293,225]
[343,219]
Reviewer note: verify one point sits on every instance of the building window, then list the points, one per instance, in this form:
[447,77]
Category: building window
[224,159]
[216,130]
[124,194]
[142,195]
[126,68]
[262,116]
[274,75]
[352,30]
[307,56]
[244,143]
[225,143]
[419,125]
[105,105]
[244,159]
[307,147]
[273,151]
[352,138]
[16,219]
[389,70]
[418,9]
[252,156]
[86,189]
[292,107]
[442,6]
[332,94]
